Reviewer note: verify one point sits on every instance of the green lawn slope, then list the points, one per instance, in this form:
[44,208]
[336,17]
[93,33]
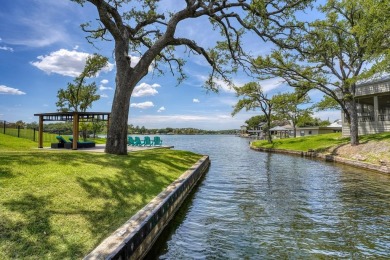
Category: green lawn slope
[58,204]
[373,148]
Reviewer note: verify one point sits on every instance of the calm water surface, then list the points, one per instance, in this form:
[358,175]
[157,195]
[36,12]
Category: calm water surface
[253,205]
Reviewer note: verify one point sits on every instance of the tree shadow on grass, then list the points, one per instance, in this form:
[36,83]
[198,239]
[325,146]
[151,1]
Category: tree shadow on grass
[31,231]
[128,191]
[129,184]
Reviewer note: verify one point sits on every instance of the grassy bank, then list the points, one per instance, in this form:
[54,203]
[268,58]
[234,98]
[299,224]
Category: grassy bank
[61,204]
[315,142]
[373,148]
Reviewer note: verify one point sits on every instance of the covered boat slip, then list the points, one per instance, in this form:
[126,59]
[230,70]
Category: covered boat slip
[75,117]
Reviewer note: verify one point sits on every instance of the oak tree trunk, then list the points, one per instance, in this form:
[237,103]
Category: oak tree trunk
[354,132]
[126,79]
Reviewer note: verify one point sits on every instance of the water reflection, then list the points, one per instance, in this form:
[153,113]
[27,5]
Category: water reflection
[255,205]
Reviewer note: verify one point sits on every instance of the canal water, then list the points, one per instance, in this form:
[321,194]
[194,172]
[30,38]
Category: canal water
[253,205]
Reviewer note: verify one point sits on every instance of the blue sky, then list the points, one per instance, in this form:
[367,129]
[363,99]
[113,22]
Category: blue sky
[42,48]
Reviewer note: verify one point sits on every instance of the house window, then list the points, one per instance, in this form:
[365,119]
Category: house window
[309,132]
[302,133]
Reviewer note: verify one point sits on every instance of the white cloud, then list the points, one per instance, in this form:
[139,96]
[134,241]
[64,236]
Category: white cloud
[104,81]
[40,32]
[161,109]
[143,105]
[134,60]
[195,100]
[145,89]
[65,62]
[5,48]
[271,84]
[103,96]
[101,87]
[10,91]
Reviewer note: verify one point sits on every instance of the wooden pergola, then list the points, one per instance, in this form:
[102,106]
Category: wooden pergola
[75,117]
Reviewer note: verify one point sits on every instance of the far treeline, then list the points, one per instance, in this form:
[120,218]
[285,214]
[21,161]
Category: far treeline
[95,128]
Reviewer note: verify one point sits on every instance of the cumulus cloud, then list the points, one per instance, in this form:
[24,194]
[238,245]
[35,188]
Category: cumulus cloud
[10,91]
[143,105]
[104,81]
[103,96]
[161,109]
[65,62]
[145,89]
[195,100]
[5,48]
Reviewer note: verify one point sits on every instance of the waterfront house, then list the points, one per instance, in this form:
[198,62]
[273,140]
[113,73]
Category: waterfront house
[373,106]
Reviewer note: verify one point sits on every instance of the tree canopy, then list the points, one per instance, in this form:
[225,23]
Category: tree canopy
[334,53]
[291,106]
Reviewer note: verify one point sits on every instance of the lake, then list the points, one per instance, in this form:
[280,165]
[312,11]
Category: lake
[253,205]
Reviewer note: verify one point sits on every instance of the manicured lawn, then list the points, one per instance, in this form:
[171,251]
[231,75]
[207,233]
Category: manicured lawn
[61,204]
[317,142]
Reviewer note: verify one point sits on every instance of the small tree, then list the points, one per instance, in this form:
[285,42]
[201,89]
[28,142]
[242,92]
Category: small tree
[254,98]
[20,124]
[289,106]
[254,121]
[79,96]
[97,127]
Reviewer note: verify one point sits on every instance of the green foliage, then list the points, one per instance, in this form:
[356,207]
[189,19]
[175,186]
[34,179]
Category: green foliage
[333,53]
[61,204]
[311,121]
[327,103]
[291,107]
[253,97]
[79,96]
[254,121]
[149,29]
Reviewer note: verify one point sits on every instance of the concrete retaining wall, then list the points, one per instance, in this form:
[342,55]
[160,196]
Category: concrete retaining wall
[329,158]
[134,239]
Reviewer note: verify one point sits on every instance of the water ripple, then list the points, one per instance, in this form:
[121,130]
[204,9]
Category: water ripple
[254,205]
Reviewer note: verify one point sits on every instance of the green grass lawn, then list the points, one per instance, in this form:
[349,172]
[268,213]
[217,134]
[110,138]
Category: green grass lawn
[61,204]
[317,142]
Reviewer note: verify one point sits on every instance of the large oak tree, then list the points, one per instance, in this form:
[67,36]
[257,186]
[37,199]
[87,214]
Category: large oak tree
[141,26]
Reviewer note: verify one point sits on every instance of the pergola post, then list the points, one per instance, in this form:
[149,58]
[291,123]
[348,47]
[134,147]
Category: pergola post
[40,132]
[75,130]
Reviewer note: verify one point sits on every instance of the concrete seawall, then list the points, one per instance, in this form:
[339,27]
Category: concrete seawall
[328,158]
[134,239]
